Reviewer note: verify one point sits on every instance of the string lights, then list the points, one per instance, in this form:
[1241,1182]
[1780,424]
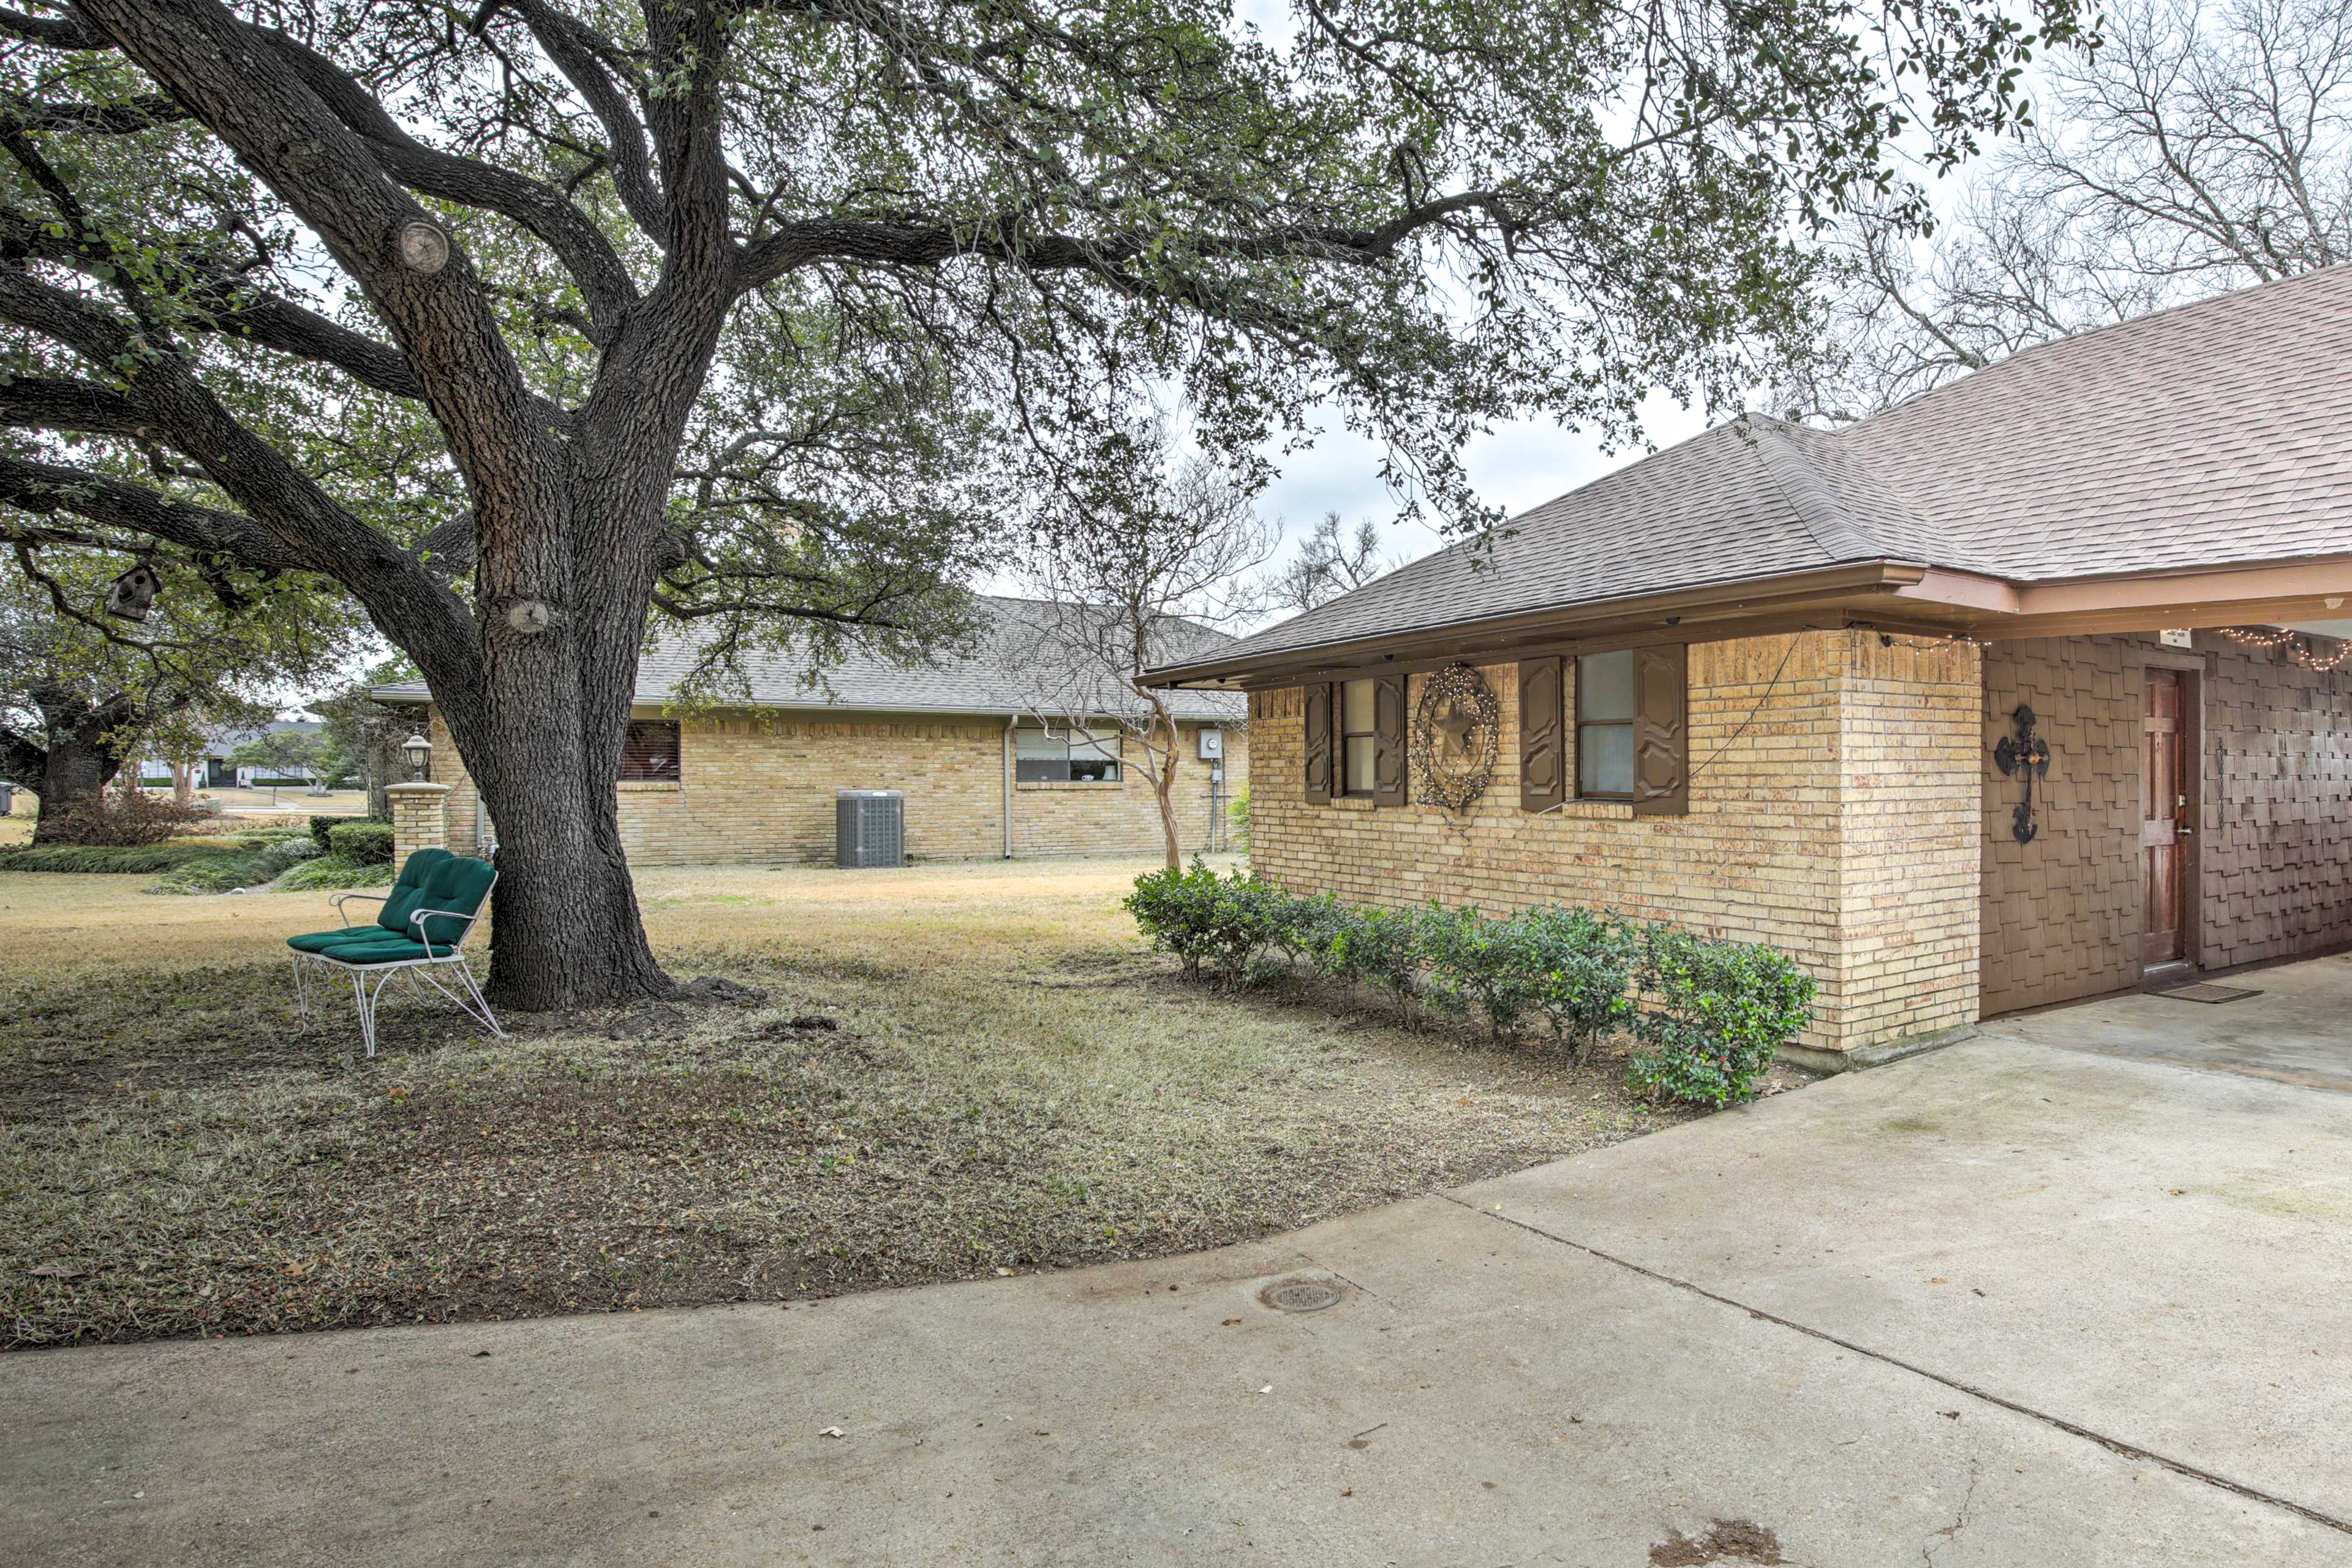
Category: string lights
[2297,645]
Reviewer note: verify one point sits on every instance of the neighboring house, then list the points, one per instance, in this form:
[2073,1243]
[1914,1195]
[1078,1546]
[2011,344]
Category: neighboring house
[1758,684]
[989,768]
[212,769]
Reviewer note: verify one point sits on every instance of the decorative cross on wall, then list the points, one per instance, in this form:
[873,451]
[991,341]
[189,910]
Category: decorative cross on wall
[2028,754]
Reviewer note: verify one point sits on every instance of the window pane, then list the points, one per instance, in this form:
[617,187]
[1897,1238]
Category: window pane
[1604,686]
[1356,709]
[650,750]
[1037,745]
[1604,759]
[1360,764]
[1096,755]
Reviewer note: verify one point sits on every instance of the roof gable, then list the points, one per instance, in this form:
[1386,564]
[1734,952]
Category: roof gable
[2206,436]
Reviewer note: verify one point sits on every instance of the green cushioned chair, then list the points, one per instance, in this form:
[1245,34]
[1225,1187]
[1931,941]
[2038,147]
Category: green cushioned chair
[427,914]
[392,920]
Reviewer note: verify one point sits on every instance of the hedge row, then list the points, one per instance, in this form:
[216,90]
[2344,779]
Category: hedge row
[368,843]
[139,858]
[1708,1017]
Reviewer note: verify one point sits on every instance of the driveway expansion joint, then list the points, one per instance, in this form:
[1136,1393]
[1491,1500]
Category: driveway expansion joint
[2117,1446]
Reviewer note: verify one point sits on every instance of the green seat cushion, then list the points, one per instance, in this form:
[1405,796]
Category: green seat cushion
[454,891]
[384,949]
[343,936]
[415,874]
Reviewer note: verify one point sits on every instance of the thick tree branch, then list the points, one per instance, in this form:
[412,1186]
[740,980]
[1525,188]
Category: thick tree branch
[47,488]
[55,403]
[796,245]
[543,209]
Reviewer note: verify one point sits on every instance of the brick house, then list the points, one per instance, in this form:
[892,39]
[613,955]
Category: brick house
[1772,683]
[990,766]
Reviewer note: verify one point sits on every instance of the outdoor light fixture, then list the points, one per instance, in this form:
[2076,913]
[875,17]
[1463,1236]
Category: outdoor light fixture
[419,751]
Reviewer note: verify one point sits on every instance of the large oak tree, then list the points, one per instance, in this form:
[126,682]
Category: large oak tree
[526,321]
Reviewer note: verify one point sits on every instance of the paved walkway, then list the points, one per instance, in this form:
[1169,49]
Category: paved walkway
[2002,1305]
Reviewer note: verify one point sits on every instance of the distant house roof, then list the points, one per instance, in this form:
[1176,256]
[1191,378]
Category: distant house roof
[999,677]
[2207,436]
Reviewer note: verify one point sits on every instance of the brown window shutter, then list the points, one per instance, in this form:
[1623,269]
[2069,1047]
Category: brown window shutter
[1543,743]
[1319,708]
[1661,730]
[1388,740]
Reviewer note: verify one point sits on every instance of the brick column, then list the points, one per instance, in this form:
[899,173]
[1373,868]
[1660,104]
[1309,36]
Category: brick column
[418,818]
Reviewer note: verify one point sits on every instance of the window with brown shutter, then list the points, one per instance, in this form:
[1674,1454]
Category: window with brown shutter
[1388,740]
[1317,744]
[651,750]
[1543,748]
[1633,727]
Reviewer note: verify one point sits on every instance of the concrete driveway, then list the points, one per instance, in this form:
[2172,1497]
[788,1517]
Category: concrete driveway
[2003,1304]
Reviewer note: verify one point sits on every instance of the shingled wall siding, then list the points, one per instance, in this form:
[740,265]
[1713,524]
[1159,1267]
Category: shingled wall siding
[1832,815]
[760,790]
[2278,808]
[2063,916]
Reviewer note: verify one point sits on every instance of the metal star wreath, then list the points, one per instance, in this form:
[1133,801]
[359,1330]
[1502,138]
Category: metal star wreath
[1456,731]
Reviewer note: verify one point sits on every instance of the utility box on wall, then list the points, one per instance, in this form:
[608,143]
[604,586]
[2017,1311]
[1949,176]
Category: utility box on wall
[1212,746]
[869,827]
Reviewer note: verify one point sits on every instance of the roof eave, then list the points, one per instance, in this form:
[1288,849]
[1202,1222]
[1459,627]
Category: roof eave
[1559,622]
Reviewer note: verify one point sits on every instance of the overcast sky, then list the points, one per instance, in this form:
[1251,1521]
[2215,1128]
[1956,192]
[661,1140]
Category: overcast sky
[1519,465]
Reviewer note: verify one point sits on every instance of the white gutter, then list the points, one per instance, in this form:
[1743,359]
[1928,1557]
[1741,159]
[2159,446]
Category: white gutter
[1009,722]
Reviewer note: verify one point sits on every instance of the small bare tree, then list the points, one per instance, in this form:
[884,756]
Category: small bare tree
[1137,586]
[1330,562]
[2203,147]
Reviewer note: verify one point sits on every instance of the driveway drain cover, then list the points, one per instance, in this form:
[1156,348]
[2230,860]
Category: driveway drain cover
[1299,1295]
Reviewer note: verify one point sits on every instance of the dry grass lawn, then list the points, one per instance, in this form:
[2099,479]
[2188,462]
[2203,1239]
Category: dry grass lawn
[959,1070]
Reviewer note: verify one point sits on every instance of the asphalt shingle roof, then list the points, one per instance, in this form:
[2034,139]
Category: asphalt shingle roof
[2210,435]
[997,678]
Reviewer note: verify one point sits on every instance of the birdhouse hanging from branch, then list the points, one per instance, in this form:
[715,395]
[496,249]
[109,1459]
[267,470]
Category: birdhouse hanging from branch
[130,597]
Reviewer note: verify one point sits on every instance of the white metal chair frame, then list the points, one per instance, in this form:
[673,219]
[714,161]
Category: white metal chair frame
[471,1002]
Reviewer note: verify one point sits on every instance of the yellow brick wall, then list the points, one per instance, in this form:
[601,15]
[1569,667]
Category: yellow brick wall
[759,787]
[1833,812]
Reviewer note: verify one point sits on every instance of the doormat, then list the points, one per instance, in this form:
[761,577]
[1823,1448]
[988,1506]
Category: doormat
[2206,991]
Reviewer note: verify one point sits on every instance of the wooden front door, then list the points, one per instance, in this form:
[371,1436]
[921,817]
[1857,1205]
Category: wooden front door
[2164,790]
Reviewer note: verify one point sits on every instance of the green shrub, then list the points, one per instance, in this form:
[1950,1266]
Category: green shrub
[368,842]
[1585,965]
[1481,964]
[142,859]
[260,857]
[322,825]
[1237,816]
[1375,947]
[329,872]
[1177,910]
[1717,1016]
[217,874]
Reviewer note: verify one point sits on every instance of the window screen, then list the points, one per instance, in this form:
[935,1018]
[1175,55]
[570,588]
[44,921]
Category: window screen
[1062,755]
[1358,750]
[1604,726]
[651,750]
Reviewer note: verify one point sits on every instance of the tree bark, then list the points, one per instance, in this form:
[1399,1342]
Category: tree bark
[75,771]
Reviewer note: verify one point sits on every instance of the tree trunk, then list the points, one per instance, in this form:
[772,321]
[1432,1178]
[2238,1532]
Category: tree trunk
[561,627]
[182,788]
[1165,787]
[75,771]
